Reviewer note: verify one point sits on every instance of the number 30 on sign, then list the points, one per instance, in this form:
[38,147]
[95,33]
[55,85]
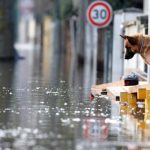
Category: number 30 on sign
[99,14]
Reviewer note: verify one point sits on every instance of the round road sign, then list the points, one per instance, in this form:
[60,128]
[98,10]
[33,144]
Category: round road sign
[99,14]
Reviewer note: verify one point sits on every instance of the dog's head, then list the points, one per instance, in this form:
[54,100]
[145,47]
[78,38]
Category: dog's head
[132,45]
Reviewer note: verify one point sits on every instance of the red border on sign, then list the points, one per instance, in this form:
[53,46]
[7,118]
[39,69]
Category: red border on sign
[108,8]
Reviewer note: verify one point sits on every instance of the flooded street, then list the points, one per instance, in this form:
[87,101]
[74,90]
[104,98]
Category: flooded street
[45,94]
[44,106]
[43,101]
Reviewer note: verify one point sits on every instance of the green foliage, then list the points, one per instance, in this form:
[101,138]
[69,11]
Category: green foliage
[62,9]
[119,4]
[66,8]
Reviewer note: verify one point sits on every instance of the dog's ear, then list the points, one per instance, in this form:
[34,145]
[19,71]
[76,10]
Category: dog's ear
[132,40]
[123,36]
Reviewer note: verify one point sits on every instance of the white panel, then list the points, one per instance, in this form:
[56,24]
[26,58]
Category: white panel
[117,62]
[148,75]
[131,63]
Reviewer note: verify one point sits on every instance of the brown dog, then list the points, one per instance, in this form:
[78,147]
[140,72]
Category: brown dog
[139,44]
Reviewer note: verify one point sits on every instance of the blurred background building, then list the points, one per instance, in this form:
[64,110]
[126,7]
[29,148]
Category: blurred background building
[33,22]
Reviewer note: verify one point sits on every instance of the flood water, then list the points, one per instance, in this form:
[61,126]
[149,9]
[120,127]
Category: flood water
[43,100]
[45,105]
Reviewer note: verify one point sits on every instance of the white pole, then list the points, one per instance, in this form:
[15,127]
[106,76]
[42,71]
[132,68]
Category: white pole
[148,74]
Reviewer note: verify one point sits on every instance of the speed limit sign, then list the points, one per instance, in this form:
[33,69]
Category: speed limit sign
[99,14]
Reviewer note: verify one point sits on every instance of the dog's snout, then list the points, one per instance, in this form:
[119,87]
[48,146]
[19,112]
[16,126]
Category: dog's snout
[129,54]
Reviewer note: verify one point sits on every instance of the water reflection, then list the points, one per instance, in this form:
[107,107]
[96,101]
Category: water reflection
[114,127]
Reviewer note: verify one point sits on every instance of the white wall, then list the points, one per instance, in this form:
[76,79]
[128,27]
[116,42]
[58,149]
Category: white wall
[146,6]
[131,63]
[136,63]
[118,57]
[117,47]
[148,75]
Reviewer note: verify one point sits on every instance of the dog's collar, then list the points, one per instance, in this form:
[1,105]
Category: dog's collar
[142,45]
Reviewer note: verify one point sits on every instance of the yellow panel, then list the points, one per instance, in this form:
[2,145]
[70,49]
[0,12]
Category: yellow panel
[131,103]
[147,105]
[147,116]
[132,99]
[141,124]
[148,94]
[123,97]
[141,94]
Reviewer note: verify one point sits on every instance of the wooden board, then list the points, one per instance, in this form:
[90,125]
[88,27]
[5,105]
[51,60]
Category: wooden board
[114,92]
[134,89]
[97,89]
[115,89]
